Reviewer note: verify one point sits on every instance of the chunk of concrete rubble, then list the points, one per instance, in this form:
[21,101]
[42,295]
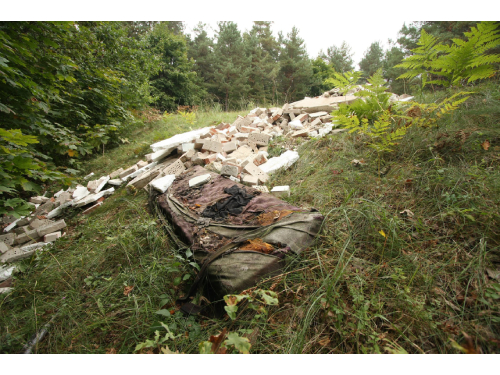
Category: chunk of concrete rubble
[159,155]
[12,225]
[250,180]
[312,105]
[59,210]
[92,208]
[145,178]
[163,183]
[128,172]
[64,197]
[37,223]
[172,143]
[38,200]
[27,236]
[318,114]
[262,189]
[260,139]
[199,180]
[116,173]
[6,290]
[229,170]
[281,191]
[284,161]
[255,171]
[88,176]
[4,247]
[51,237]
[56,195]
[80,193]
[215,166]
[141,163]
[93,197]
[188,155]
[6,272]
[51,227]
[175,168]
[8,238]
[115,182]
[140,171]
[296,125]
[300,133]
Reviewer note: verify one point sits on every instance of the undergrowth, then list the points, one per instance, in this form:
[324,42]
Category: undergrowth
[407,262]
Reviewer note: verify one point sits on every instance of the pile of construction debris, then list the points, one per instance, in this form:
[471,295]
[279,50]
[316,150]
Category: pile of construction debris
[237,151]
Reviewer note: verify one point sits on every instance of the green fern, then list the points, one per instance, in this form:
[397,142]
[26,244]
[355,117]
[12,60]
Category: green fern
[375,99]
[421,62]
[344,81]
[467,60]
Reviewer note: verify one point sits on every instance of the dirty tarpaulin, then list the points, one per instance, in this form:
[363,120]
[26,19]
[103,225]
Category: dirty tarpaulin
[236,250]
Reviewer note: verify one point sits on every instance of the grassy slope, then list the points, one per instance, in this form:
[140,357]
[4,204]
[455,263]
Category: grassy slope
[415,290]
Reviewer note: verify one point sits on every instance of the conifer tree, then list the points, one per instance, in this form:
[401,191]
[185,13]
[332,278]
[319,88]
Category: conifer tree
[201,50]
[340,58]
[260,46]
[231,66]
[372,60]
[295,67]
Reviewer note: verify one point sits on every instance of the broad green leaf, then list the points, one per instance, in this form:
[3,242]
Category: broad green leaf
[163,312]
[242,344]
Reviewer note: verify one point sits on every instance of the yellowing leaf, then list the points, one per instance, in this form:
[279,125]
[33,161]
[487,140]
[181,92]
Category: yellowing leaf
[382,233]
[71,153]
[485,145]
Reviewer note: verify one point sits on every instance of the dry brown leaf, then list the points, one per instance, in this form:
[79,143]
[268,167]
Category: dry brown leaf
[324,341]
[485,145]
[217,341]
[127,290]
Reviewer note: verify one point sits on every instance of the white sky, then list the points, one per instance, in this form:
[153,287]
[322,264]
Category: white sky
[321,23]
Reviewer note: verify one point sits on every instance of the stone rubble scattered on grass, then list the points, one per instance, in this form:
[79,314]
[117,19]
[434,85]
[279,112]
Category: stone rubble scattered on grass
[237,151]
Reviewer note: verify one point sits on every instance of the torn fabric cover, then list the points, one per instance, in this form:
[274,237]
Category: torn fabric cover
[233,205]
[237,234]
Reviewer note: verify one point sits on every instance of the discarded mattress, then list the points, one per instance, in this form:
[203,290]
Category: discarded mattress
[237,234]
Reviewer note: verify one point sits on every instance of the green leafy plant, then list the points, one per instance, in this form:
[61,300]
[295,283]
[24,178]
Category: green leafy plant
[382,134]
[428,114]
[21,170]
[158,341]
[344,81]
[374,99]
[255,300]
[464,61]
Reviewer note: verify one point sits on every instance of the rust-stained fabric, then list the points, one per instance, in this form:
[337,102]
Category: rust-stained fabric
[263,233]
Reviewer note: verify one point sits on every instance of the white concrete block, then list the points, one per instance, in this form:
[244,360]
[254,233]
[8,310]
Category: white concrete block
[200,180]
[163,183]
[51,237]
[281,191]
[285,160]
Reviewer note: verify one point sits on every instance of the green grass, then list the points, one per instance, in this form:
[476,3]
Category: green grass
[418,289]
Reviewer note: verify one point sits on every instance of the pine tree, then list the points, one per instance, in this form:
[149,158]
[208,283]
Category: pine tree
[372,60]
[231,66]
[393,57]
[260,46]
[201,50]
[340,58]
[296,68]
